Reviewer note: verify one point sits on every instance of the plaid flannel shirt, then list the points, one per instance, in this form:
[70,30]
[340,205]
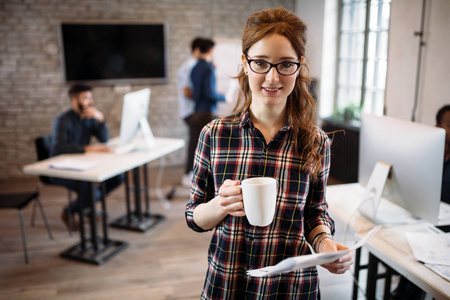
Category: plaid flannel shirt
[232,148]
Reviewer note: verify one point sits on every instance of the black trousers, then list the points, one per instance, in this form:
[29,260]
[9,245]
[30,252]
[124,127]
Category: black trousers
[196,122]
[83,193]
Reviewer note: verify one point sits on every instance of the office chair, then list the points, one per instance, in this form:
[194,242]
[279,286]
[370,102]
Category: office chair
[43,145]
[19,201]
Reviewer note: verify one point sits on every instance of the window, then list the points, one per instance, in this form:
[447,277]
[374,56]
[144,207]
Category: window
[362,55]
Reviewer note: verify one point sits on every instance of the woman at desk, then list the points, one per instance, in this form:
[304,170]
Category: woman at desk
[71,133]
[272,134]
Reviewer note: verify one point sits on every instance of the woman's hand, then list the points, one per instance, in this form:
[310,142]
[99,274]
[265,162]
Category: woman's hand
[341,265]
[230,198]
[227,202]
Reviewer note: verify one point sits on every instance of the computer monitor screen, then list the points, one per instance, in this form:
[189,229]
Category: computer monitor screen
[134,111]
[415,152]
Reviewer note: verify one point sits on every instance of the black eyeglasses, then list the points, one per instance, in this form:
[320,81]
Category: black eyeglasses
[260,66]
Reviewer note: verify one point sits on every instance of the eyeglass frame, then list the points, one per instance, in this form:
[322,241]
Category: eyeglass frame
[298,64]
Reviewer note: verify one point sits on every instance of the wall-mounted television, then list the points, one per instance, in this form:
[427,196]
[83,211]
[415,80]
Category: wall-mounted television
[110,54]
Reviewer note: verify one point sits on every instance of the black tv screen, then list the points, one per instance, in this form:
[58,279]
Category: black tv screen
[114,53]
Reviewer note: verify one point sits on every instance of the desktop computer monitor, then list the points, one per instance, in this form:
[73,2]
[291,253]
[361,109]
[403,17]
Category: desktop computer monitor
[134,119]
[416,155]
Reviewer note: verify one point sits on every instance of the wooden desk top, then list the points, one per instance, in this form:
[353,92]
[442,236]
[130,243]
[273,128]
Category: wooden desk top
[110,164]
[343,202]
[389,244]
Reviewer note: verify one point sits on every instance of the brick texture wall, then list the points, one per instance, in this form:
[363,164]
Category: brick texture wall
[32,87]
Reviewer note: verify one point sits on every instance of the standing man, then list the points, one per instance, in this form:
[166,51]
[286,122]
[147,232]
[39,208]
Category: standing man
[186,104]
[205,95]
[71,133]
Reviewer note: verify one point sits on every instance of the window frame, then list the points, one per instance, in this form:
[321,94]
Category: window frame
[363,88]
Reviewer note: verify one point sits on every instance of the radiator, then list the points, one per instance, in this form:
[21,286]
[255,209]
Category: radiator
[344,149]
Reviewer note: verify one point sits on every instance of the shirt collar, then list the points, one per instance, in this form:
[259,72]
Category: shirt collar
[246,121]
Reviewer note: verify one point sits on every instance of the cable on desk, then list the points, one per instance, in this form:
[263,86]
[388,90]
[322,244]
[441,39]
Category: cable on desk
[347,224]
[162,199]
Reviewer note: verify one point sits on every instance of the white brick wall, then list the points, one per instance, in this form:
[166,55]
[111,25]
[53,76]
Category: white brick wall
[32,88]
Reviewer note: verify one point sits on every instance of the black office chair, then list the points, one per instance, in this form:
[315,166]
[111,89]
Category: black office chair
[43,145]
[19,201]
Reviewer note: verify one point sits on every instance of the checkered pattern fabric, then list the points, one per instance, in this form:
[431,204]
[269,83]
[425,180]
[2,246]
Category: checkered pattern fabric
[232,148]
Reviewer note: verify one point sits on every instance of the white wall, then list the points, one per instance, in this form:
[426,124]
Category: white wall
[434,91]
[403,50]
[311,12]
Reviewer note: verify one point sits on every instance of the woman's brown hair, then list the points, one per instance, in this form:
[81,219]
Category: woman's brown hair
[301,106]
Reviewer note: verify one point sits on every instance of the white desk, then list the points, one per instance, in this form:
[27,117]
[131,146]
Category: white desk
[389,245]
[111,164]
[95,249]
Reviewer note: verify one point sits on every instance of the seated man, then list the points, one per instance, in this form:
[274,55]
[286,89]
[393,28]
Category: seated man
[71,133]
[443,121]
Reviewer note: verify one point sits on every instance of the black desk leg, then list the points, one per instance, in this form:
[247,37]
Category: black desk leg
[372,277]
[80,215]
[137,193]
[138,220]
[146,188]
[104,215]
[127,196]
[387,283]
[94,250]
[92,217]
[357,270]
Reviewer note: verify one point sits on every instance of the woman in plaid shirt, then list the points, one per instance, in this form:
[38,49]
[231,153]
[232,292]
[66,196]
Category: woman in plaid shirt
[272,134]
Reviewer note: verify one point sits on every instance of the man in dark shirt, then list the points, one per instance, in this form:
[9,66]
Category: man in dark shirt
[71,133]
[186,104]
[443,121]
[203,79]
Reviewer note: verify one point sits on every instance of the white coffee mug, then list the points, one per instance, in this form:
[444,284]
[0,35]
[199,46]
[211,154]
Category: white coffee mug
[260,199]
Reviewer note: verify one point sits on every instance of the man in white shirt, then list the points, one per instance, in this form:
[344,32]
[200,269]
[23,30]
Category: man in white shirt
[186,103]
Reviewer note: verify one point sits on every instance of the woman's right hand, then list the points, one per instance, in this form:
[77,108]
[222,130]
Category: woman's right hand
[227,202]
[230,198]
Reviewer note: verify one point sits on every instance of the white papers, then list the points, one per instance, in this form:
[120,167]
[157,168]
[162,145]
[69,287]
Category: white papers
[443,271]
[432,250]
[306,261]
[75,164]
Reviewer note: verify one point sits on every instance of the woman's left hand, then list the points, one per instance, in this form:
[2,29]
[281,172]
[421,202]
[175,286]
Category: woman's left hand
[341,265]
